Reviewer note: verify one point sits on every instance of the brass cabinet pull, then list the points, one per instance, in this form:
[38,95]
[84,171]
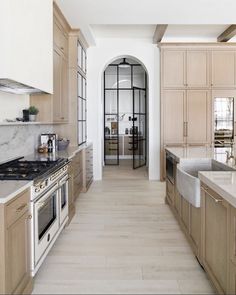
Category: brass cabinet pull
[210,195]
[22,207]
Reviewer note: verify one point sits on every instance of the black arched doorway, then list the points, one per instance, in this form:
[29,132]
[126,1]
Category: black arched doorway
[125,113]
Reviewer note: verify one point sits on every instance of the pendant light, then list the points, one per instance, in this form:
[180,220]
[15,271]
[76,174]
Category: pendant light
[124,64]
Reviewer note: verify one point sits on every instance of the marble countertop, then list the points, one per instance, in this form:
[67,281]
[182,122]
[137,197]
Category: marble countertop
[222,182]
[11,188]
[181,154]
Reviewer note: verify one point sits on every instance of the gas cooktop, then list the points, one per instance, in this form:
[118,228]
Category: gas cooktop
[21,169]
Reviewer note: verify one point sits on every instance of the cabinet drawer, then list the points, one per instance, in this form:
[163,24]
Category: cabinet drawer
[17,208]
[60,39]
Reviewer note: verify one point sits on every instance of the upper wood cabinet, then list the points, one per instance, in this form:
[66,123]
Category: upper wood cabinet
[185,68]
[173,68]
[60,38]
[60,85]
[223,68]
[198,116]
[174,116]
[197,68]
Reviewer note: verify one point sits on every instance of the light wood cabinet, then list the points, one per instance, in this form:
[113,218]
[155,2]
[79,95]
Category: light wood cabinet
[170,191]
[185,207]
[60,37]
[232,279]
[173,68]
[198,117]
[215,225]
[174,116]
[60,96]
[15,275]
[197,69]
[177,202]
[223,68]
[87,167]
[195,228]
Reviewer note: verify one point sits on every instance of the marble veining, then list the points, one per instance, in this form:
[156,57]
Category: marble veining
[16,141]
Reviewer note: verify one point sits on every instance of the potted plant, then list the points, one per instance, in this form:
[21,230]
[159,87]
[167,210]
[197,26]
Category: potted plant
[33,111]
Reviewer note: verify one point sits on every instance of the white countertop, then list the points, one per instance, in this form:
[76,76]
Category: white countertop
[181,154]
[11,188]
[222,182]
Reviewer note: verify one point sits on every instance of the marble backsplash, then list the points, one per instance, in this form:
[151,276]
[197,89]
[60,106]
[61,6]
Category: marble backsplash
[17,141]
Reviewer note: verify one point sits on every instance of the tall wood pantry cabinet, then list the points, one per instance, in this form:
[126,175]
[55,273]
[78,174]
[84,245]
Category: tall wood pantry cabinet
[190,73]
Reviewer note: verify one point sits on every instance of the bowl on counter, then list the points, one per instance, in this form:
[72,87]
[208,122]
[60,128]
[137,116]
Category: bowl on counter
[63,144]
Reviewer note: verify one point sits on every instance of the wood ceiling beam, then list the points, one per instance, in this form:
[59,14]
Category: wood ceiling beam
[229,33]
[159,33]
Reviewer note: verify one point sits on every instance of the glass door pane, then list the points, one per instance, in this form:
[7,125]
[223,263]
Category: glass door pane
[139,128]
[224,121]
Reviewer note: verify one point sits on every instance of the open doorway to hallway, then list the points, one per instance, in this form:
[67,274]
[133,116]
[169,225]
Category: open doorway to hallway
[125,116]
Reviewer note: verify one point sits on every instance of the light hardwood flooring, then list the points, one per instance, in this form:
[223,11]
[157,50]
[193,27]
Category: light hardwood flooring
[123,240]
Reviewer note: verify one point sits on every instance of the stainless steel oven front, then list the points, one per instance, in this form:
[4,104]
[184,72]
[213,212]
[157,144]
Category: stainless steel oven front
[46,221]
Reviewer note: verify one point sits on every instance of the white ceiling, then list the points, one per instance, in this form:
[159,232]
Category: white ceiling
[123,31]
[89,15]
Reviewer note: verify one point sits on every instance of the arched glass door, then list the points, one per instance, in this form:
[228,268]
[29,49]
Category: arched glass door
[125,113]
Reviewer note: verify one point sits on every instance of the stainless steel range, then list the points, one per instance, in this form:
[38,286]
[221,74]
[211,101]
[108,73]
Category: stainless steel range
[49,200]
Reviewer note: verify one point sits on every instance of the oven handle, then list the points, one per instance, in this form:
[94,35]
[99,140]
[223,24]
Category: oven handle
[63,180]
[45,197]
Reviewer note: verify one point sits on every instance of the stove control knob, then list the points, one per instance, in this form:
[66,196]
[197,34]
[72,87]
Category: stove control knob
[42,186]
[37,189]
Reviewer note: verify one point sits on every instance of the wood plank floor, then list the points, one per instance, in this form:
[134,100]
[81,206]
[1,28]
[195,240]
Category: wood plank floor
[123,240]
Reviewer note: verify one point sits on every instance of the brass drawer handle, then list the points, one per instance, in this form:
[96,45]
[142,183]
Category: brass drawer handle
[210,195]
[21,208]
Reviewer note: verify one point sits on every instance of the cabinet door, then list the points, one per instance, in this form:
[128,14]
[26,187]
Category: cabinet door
[170,191]
[173,68]
[174,116]
[185,207]
[198,116]
[177,202]
[214,238]
[232,279]
[56,86]
[64,90]
[18,255]
[195,227]
[233,234]
[197,68]
[223,68]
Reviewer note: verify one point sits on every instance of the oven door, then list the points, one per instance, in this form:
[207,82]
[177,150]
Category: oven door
[46,221]
[63,198]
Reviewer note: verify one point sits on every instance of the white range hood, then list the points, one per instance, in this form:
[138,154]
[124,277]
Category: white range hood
[11,86]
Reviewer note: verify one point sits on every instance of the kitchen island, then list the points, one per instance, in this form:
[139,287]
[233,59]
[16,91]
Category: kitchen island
[210,226]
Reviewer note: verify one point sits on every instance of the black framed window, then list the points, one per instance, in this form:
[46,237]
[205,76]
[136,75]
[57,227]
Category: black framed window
[82,110]
[82,57]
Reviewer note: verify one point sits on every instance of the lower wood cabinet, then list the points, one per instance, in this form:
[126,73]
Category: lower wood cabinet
[15,237]
[195,229]
[87,167]
[215,224]
[232,279]
[75,182]
[169,191]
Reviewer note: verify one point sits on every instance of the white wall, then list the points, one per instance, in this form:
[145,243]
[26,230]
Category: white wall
[26,51]
[12,105]
[99,57]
